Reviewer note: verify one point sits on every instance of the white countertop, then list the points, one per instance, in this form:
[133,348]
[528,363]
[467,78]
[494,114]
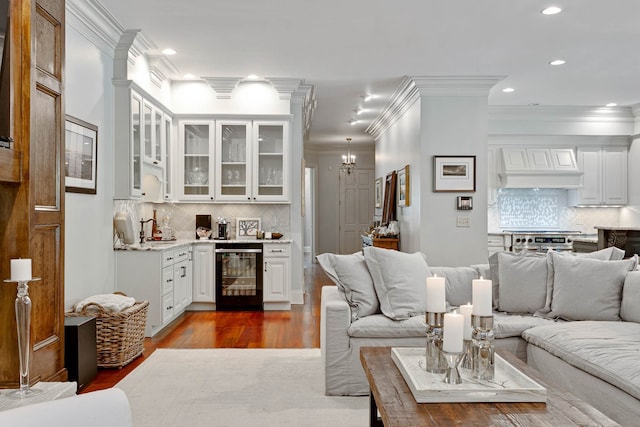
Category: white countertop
[162,245]
[615,228]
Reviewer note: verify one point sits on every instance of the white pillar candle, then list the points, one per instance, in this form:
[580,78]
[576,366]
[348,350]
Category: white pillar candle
[453,328]
[466,310]
[481,291]
[436,302]
[21,270]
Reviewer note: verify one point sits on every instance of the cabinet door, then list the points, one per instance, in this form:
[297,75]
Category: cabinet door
[197,164]
[203,269]
[180,284]
[271,170]
[167,308]
[615,175]
[168,146]
[233,160]
[276,279]
[590,164]
[136,141]
[147,131]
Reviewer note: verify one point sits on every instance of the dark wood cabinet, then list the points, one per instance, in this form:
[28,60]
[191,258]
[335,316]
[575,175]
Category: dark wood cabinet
[32,207]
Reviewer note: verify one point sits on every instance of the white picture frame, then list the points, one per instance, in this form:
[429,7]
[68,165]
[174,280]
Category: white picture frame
[454,174]
[247,228]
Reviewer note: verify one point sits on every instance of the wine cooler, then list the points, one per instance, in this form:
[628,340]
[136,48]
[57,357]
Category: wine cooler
[239,276]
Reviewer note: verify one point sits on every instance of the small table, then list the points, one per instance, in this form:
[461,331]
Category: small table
[391,395]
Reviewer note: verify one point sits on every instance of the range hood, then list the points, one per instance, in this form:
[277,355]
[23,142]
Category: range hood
[539,168]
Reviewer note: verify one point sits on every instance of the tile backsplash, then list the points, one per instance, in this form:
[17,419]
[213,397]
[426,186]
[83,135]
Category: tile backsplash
[546,209]
[182,216]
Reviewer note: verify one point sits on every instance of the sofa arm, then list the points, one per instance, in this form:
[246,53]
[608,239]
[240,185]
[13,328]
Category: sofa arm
[108,407]
[335,320]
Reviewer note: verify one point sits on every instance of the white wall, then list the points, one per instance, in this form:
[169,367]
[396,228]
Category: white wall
[89,258]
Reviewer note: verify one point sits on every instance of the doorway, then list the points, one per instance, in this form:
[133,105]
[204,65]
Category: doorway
[356,208]
[309,252]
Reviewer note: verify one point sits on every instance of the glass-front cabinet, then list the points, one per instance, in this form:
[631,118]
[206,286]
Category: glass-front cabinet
[167,131]
[271,170]
[233,155]
[136,135]
[197,159]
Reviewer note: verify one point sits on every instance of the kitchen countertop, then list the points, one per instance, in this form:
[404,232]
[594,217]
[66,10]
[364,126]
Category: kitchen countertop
[616,228]
[162,245]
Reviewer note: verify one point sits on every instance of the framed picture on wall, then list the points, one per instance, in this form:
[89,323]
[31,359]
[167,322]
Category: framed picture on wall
[378,200]
[403,186]
[247,228]
[81,156]
[454,173]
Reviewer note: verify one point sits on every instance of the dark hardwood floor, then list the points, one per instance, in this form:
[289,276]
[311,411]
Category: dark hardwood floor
[298,328]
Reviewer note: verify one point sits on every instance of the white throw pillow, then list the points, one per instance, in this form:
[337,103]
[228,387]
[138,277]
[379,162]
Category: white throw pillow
[457,283]
[400,281]
[523,283]
[630,307]
[351,275]
[588,289]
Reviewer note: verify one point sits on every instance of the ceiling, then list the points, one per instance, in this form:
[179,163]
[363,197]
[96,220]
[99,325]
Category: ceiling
[350,48]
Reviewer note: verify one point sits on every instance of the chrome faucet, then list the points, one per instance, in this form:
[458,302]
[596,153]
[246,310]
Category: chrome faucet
[142,223]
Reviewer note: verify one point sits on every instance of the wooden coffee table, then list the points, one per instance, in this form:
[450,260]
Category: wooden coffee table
[393,398]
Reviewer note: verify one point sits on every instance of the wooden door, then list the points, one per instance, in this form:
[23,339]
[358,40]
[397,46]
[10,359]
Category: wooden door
[356,208]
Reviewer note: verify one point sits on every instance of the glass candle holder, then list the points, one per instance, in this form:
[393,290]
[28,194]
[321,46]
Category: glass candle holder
[483,349]
[435,361]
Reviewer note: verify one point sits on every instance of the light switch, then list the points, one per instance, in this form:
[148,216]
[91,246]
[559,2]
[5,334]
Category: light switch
[463,221]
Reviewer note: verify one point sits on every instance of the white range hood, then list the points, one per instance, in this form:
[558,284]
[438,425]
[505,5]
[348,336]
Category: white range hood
[539,168]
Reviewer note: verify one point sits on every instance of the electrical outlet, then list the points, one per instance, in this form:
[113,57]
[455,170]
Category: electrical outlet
[463,221]
[579,220]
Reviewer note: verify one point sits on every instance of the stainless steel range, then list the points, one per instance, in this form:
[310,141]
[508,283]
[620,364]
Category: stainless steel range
[542,241]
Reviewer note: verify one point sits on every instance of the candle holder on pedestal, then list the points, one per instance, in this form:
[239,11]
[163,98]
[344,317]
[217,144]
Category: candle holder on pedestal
[483,349]
[467,355]
[23,324]
[435,360]
[452,374]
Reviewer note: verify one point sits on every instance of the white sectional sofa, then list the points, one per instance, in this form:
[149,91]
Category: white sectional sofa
[574,319]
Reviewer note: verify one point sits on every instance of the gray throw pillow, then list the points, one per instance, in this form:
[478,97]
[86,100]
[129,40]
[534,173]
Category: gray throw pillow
[400,281]
[630,308]
[523,283]
[607,254]
[588,289]
[457,283]
[495,271]
[351,275]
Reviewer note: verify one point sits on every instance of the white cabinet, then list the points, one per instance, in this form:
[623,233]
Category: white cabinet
[233,160]
[203,273]
[276,276]
[196,151]
[499,242]
[604,179]
[158,277]
[140,139]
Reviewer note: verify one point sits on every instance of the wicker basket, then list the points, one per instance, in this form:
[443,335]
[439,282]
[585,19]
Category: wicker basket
[119,336]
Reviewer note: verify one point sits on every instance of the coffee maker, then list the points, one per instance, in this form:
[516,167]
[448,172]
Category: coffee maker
[222,229]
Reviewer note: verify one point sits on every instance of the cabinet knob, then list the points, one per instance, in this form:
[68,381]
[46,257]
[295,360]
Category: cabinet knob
[211,197]
[155,162]
[265,266]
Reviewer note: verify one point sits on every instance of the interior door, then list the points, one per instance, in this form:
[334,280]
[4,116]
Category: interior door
[356,208]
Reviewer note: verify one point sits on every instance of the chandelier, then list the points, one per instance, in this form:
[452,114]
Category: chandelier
[348,160]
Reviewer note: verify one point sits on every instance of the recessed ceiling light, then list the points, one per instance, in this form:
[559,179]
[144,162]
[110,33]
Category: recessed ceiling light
[551,10]
[252,77]
[189,76]
[368,98]
[353,122]
[557,62]
[611,104]
[359,111]
[508,89]
[168,51]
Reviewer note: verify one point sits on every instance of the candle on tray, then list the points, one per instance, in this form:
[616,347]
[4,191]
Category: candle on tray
[466,310]
[453,328]
[481,291]
[21,270]
[436,302]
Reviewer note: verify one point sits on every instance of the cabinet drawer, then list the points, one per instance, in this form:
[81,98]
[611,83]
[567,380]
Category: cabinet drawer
[180,254]
[276,250]
[167,280]
[168,258]
[167,308]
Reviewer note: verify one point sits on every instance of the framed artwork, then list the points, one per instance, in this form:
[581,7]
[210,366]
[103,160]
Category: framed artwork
[81,156]
[403,186]
[389,203]
[247,228]
[454,173]
[378,200]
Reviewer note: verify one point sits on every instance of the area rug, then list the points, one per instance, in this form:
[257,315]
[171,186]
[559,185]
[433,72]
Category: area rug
[237,387]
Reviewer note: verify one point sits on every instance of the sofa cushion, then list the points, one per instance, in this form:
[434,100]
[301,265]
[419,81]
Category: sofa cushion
[380,326]
[457,283]
[523,283]
[399,280]
[512,325]
[607,350]
[630,306]
[351,275]
[588,289]
[494,268]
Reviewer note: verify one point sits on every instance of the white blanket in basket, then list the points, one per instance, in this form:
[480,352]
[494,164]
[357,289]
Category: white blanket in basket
[111,303]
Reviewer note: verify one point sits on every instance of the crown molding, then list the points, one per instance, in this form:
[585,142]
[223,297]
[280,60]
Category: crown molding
[306,95]
[223,86]
[91,19]
[405,95]
[160,68]
[563,113]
